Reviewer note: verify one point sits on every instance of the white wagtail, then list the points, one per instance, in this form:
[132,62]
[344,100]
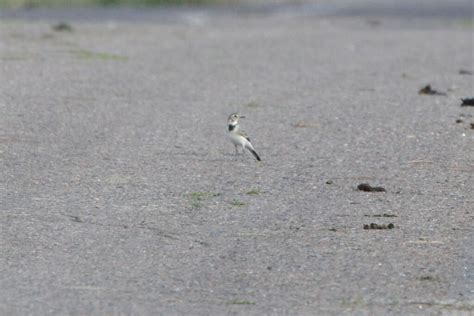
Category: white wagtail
[237,136]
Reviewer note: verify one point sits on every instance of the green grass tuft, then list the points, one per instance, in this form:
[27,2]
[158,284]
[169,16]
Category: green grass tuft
[198,197]
[255,192]
[15,57]
[237,203]
[88,55]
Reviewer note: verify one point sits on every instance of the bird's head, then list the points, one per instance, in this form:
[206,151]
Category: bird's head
[234,118]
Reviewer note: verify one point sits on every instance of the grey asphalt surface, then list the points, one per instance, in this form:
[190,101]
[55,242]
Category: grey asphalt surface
[121,194]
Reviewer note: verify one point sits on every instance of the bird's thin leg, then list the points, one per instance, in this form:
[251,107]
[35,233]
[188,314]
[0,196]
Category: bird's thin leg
[236,150]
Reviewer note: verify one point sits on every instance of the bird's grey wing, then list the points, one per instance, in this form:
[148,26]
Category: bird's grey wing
[243,134]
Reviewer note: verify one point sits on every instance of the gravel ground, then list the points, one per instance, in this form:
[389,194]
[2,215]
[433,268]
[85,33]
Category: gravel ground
[121,193]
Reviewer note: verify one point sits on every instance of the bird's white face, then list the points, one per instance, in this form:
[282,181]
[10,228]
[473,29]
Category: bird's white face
[234,118]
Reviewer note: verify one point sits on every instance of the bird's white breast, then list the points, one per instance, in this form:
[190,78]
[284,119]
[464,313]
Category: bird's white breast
[236,139]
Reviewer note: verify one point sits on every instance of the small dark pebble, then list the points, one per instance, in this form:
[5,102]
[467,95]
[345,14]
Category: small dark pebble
[378,226]
[62,27]
[202,243]
[467,102]
[465,72]
[472,125]
[269,268]
[329,182]
[332,229]
[429,91]
[459,121]
[368,188]
[75,218]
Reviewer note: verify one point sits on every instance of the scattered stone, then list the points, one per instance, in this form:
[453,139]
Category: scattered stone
[329,182]
[459,121]
[368,188]
[300,125]
[428,278]
[202,242]
[429,91]
[62,27]
[333,229]
[378,226]
[467,102]
[472,125]
[465,72]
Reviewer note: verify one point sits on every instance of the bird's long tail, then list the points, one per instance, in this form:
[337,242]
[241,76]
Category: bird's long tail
[254,153]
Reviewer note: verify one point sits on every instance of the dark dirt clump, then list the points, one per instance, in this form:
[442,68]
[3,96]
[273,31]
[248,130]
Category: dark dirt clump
[465,72]
[368,188]
[430,91]
[379,226]
[467,102]
[62,27]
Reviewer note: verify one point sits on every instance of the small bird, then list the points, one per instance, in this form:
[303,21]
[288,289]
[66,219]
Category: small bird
[239,137]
